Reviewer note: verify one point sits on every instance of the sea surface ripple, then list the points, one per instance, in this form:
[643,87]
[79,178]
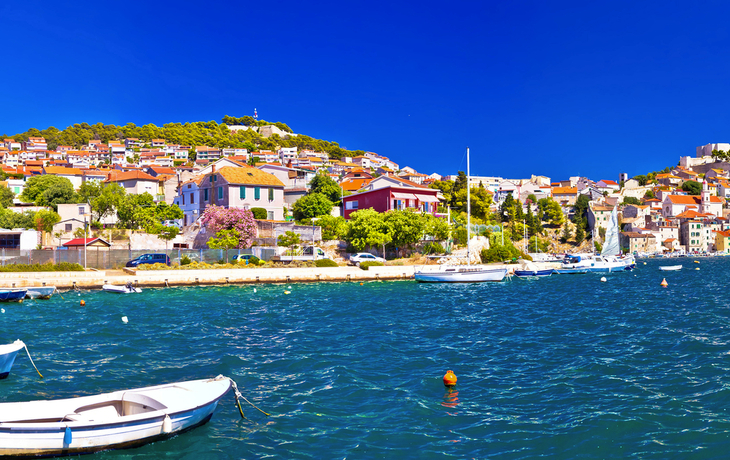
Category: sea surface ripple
[563,367]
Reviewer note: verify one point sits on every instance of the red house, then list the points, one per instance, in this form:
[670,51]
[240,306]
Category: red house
[393,197]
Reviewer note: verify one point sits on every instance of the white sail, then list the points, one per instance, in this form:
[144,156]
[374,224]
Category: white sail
[611,246]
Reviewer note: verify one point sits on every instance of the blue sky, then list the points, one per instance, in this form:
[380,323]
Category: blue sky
[532,87]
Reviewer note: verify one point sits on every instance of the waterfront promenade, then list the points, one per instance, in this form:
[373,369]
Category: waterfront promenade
[93,279]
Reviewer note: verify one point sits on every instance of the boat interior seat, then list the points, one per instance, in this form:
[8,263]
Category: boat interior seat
[136,403]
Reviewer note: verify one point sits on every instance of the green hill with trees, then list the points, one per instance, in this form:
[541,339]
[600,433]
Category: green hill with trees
[210,133]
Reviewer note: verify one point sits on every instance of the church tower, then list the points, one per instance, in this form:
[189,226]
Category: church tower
[705,203]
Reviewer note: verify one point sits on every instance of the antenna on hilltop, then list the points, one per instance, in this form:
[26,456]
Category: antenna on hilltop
[255,115]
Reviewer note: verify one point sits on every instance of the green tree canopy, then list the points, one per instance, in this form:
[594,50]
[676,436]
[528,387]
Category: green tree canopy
[6,197]
[311,205]
[692,187]
[367,228]
[405,227]
[289,240]
[551,210]
[48,190]
[45,220]
[325,185]
[333,228]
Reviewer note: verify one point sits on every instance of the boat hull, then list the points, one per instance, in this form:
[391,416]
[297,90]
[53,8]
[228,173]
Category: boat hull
[104,422]
[461,275]
[533,273]
[7,357]
[12,295]
[669,268]
[571,271]
[40,292]
[120,289]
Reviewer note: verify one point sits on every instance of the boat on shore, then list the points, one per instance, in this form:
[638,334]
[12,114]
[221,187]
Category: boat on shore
[668,268]
[7,357]
[116,289]
[40,292]
[121,419]
[12,295]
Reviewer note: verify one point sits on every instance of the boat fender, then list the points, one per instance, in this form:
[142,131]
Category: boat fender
[67,437]
[167,424]
[449,378]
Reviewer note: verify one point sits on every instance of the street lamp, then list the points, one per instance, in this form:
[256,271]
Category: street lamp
[85,237]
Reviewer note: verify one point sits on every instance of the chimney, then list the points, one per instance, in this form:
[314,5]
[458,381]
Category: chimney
[212,171]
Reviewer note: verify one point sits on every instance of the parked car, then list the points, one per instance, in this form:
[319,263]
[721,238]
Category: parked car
[149,259]
[239,257]
[356,259]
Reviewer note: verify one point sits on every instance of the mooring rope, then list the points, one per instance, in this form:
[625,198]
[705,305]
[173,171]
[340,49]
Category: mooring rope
[31,359]
[239,396]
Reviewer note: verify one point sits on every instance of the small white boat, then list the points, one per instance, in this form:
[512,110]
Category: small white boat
[40,292]
[460,274]
[668,268]
[7,356]
[126,418]
[126,289]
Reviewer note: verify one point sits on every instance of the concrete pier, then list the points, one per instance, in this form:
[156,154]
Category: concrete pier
[164,278]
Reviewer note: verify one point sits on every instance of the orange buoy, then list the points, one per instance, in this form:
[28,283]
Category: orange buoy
[664,283]
[360,284]
[83,303]
[449,378]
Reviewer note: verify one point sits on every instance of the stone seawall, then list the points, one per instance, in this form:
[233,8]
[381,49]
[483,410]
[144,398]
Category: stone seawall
[157,278]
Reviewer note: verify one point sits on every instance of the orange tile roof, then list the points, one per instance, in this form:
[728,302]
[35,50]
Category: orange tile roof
[248,176]
[565,190]
[61,171]
[116,176]
[352,185]
[691,199]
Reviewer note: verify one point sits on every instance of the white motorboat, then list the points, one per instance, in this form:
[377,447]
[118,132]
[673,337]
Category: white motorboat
[7,356]
[126,289]
[461,273]
[121,419]
[668,268]
[40,292]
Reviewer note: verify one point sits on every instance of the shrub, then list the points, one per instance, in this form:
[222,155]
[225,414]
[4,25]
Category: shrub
[326,263]
[259,213]
[185,260]
[47,267]
[368,264]
[433,248]
[499,253]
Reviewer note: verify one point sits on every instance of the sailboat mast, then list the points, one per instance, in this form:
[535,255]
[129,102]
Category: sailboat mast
[468,210]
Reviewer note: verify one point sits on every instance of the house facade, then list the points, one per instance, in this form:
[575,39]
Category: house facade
[248,187]
[393,198]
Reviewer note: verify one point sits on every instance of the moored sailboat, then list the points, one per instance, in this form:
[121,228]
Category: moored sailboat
[460,273]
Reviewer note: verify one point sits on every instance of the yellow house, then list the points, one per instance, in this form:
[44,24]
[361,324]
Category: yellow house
[722,241]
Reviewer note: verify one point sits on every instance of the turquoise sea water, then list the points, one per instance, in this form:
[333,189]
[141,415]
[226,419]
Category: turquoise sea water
[562,367]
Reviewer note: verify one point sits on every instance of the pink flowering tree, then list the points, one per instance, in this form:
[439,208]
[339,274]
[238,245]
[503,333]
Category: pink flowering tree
[217,218]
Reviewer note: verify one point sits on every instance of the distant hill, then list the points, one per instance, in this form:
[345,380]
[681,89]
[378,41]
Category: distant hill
[210,133]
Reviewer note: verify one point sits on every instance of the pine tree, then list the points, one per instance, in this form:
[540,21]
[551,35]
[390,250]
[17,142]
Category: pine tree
[566,233]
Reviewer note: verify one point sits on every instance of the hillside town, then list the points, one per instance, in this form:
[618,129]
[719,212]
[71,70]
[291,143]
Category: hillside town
[658,214]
